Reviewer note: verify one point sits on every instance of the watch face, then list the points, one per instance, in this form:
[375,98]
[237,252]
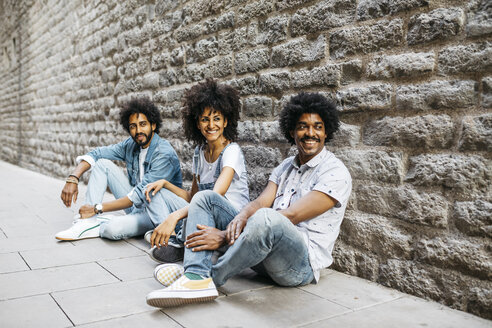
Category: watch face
[99,208]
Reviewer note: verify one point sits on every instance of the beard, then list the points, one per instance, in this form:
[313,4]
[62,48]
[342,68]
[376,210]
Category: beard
[142,142]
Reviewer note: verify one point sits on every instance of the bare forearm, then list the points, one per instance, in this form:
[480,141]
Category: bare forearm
[186,195]
[81,168]
[117,204]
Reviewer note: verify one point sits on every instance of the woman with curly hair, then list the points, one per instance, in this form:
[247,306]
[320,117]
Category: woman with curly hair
[210,116]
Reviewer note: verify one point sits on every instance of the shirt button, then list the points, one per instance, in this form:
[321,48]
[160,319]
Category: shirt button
[292,190]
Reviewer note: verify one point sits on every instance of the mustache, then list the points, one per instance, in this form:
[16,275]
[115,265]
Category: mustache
[310,138]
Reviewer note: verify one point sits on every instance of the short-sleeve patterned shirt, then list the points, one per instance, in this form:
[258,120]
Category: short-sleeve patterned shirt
[324,173]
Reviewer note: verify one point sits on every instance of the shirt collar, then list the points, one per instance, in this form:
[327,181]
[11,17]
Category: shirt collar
[313,162]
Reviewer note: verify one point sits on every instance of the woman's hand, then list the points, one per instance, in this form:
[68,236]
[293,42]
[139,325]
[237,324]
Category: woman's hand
[154,187]
[206,238]
[86,211]
[161,234]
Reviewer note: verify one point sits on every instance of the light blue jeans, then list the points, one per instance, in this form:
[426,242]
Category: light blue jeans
[137,221]
[269,244]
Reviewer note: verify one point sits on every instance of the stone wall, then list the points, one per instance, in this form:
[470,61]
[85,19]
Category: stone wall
[412,79]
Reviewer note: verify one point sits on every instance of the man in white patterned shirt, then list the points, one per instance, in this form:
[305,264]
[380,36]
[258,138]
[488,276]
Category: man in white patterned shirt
[289,231]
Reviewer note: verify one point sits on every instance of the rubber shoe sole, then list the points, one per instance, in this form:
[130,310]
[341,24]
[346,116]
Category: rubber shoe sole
[178,298]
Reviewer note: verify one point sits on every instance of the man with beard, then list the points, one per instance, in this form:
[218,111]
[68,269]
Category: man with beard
[287,233]
[147,157]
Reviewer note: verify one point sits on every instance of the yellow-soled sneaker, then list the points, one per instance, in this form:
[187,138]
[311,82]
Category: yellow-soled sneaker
[183,291]
[168,273]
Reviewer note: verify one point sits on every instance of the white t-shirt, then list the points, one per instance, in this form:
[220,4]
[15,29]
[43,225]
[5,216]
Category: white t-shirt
[238,192]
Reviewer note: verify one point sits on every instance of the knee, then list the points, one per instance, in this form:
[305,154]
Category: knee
[102,164]
[110,231]
[202,198]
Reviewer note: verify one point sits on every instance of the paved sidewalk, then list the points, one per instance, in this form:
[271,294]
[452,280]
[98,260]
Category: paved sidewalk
[100,283]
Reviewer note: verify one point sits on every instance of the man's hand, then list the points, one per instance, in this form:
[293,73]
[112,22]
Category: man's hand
[161,234]
[235,227]
[70,192]
[155,186]
[86,211]
[205,239]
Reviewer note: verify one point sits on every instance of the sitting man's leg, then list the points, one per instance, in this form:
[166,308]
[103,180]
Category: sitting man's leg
[272,244]
[104,173]
[209,209]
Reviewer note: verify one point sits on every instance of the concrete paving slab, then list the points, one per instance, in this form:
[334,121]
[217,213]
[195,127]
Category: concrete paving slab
[246,280]
[131,268]
[148,319]
[106,302]
[351,292]
[36,311]
[405,312]
[12,244]
[268,307]
[44,281]
[12,262]
[35,229]
[84,251]
[140,243]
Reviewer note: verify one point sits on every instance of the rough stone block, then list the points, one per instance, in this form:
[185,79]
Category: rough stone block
[164,6]
[202,50]
[246,86]
[188,33]
[369,9]
[479,18]
[426,132]
[176,58]
[372,165]
[365,98]
[168,78]
[285,4]
[461,255]
[469,175]
[260,156]
[439,24]
[109,74]
[477,133]
[234,40]
[219,23]
[151,80]
[251,61]
[471,58]
[326,76]
[298,51]
[366,39]
[351,71]
[252,10]
[401,66]
[249,131]
[274,82]
[270,131]
[487,92]
[404,203]
[354,261]
[258,106]
[219,67]
[376,234]
[437,95]
[323,15]
[346,136]
[474,218]
[272,30]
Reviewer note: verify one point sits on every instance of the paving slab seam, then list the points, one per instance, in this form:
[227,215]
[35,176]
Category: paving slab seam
[167,315]
[142,249]
[108,271]
[23,259]
[326,299]
[3,233]
[61,309]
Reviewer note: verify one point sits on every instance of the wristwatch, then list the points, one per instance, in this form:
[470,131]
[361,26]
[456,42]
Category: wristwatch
[98,208]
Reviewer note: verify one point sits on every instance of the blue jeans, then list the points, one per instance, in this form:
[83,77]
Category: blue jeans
[270,244]
[137,221]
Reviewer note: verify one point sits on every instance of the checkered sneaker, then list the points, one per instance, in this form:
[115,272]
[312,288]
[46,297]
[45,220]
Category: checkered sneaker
[168,273]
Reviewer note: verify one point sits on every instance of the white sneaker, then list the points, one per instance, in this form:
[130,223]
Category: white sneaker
[147,235]
[183,291]
[81,229]
[168,273]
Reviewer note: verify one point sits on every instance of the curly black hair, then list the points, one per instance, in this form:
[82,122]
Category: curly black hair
[142,106]
[309,103]
[221,97]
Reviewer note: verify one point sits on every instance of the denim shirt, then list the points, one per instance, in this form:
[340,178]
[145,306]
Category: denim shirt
[161,162]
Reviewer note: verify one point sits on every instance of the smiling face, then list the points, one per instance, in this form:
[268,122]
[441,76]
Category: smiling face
[140,129]
[211,124]
[309,136]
